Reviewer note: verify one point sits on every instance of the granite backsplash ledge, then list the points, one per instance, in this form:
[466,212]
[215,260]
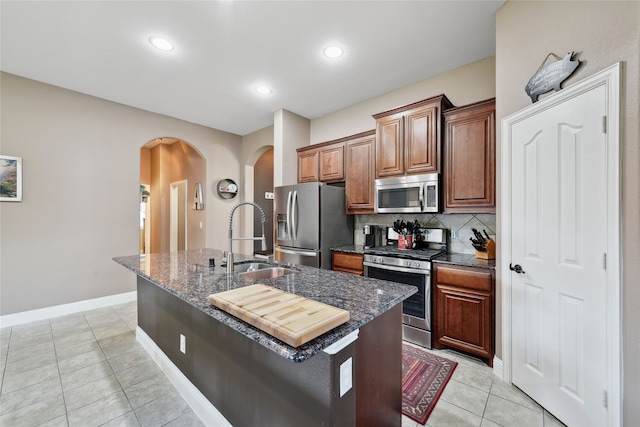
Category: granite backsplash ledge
[462,223]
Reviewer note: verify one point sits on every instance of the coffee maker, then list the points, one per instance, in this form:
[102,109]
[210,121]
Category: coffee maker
[372,236]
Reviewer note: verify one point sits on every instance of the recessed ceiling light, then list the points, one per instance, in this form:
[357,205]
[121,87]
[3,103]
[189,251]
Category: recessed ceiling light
[160,43]
[333,52]
[263,90]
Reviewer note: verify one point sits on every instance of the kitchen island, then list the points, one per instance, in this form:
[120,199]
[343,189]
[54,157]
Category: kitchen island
[350,375]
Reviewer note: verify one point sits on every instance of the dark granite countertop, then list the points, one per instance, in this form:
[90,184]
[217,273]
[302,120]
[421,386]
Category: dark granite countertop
[466,260]
[188,276]
[350,249]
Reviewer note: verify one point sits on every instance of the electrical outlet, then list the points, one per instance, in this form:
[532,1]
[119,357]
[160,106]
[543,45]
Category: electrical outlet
[346,374]
[268,195]
[200,224]
[183,344]
[454,234]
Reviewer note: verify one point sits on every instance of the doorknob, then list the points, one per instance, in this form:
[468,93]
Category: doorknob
[518,268]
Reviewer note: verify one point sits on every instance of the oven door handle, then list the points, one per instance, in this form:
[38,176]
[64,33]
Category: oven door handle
[396,268]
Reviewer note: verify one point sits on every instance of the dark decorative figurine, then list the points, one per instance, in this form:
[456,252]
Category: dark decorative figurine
[551,76]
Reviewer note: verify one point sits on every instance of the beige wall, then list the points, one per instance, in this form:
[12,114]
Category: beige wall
[291,131]
[601,33]
[255,144]
[81,176]
[464,85]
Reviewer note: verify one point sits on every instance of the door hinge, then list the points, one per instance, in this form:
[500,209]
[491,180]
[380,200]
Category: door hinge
[604,124]
[605,399]
[604,261]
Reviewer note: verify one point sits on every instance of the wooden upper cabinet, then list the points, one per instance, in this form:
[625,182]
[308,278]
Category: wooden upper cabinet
[308,166]
[331,168]
[390,146]
[422,140]
[321,162]
[470,158]
[360,173]
[408,138]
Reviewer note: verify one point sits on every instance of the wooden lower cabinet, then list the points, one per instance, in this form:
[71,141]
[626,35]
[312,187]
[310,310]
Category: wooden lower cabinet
[463,310]
[348,263]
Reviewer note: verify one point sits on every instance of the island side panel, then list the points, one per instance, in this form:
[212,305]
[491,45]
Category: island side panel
[248,383]
[379,371]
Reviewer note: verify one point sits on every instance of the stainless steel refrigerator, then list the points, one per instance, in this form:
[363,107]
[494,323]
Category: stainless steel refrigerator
[310,219]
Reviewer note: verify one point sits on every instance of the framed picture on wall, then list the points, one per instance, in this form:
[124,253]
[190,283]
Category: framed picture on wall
[10,179]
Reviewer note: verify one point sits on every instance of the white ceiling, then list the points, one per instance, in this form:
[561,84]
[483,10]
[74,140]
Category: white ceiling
[226,48]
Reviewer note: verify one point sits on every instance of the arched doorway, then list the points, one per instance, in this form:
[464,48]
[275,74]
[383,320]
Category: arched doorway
[257,181]
[262,187]
[170,170]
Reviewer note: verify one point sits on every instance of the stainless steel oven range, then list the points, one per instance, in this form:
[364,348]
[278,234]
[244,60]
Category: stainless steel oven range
[410,267]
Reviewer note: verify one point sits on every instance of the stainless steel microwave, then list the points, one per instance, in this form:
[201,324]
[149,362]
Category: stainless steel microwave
[408,194]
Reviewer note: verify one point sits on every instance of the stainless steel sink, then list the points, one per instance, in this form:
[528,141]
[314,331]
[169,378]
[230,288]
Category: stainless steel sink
[251,266]
[268,273]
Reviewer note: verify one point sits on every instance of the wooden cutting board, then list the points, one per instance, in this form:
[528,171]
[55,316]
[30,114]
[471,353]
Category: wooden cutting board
[288,317]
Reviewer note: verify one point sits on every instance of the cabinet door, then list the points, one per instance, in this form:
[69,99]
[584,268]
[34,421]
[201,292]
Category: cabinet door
[463,307]
[360,175]
[421,151]
[331,167]
[390,146]
[348,263]
[470,158]
[308,166]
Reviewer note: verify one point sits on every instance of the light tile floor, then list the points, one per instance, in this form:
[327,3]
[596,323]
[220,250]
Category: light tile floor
[87,369]
[474,396]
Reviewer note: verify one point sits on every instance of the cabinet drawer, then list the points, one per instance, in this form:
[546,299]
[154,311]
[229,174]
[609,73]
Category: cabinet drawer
[351,263]
[462,277]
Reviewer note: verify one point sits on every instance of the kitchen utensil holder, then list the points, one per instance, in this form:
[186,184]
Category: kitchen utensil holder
[405,242]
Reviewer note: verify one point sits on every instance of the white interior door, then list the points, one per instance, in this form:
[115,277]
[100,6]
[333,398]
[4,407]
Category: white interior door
[559,241]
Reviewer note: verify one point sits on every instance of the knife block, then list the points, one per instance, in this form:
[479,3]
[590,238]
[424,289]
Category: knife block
[490,251]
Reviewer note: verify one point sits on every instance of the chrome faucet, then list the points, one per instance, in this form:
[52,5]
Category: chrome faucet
[231,238]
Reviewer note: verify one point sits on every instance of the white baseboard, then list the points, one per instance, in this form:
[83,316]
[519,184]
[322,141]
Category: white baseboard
[498,368]
[208,413]
[64,309]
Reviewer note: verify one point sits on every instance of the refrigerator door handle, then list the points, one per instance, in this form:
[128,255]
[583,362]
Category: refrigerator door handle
[294,212]
[289,234]
[290,252]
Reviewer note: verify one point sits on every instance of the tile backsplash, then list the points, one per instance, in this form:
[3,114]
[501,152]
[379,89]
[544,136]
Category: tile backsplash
[460,223]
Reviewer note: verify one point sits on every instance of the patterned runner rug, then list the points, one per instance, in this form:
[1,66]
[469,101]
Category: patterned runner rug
[424,377]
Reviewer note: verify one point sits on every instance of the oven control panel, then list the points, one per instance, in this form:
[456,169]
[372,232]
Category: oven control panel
[397,262]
